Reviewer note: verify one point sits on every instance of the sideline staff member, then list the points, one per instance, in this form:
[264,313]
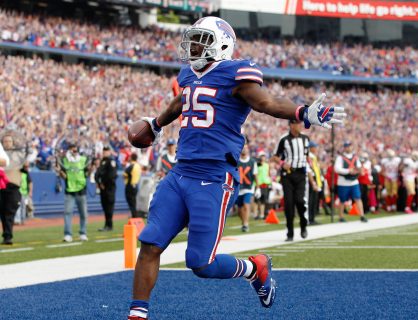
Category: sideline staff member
[132,175]
[10,196]
[292,153]
[105,178]
[74,170]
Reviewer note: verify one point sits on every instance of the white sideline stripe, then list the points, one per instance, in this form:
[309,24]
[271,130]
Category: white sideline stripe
[72,244]
[109,240]
[15,250]
[43,271]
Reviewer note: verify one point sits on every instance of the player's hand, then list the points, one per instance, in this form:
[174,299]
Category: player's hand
[318,114]
[158,132]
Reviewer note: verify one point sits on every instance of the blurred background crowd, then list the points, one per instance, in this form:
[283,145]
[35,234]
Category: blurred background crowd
[157,44]
[51,100]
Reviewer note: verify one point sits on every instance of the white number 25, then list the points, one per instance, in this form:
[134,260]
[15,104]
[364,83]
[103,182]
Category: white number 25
[198,122]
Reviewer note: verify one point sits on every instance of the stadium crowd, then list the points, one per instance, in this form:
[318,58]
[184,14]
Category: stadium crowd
[158,44]
[50,100]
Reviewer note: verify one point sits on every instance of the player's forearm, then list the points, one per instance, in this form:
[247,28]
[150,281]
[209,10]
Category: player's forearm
[171,113]
[262,101]
[282,108]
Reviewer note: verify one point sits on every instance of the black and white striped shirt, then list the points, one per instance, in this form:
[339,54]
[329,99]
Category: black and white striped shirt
[294,150]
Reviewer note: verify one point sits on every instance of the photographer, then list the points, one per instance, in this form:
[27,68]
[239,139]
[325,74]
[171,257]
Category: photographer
[74,169]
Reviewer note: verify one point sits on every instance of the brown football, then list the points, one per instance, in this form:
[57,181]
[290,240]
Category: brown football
[140,134]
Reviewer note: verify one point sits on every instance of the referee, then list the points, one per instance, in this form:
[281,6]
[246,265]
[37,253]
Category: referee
[105,177]
[292,154]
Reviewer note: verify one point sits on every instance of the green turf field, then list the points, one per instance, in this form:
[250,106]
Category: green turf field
[393,248]
[44,243]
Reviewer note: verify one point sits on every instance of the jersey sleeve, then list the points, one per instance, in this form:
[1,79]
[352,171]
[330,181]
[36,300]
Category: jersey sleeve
[248,71]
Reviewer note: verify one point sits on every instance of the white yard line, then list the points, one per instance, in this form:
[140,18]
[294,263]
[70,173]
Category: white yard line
[50,270]
[109,240]
[15,250]
[72,244]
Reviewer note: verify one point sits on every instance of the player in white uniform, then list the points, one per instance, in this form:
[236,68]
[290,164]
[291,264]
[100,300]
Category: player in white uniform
[390,167]
[409,169]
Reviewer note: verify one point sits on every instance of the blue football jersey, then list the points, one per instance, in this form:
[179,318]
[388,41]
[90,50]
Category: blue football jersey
[212,117]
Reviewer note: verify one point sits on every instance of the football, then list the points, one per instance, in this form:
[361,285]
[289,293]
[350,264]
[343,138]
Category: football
[140,134]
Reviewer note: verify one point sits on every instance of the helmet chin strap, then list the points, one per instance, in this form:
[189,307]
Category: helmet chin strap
[199,64]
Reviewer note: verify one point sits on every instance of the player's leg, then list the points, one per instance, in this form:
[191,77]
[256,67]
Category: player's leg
[410,192]
[208,206]
[394,195]
[167,217]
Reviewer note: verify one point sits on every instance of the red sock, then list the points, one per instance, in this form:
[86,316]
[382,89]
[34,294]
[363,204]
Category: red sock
[388,201]
[409,200]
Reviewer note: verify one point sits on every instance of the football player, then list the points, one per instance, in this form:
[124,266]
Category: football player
[390,166]
[217,95]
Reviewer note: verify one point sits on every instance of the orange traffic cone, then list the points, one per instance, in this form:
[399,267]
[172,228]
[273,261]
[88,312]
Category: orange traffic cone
[272,218]
[354,210]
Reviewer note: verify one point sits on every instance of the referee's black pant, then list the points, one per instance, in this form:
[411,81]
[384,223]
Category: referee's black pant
[130,194]
[294,188]
[107,198]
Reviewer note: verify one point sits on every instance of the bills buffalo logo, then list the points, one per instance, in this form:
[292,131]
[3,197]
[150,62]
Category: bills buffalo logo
[228,188]
[226,28]
[325,114]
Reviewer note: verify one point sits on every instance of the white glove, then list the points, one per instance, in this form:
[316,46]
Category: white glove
[257,193]
[158,132]
[320,115]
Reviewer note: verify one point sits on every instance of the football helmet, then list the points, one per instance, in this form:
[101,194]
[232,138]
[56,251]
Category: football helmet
[209,39]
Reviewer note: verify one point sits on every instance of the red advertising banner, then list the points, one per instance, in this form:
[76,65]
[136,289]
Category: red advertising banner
[385,10]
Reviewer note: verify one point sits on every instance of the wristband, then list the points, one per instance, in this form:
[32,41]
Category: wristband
[297,113]
[300,112]
[156,125]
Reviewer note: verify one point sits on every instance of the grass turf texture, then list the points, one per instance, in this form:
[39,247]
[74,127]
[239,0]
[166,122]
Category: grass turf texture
[364,250]
[180,294]
[40,238]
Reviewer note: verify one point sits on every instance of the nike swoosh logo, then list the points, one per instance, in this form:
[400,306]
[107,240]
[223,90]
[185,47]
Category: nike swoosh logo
[252,64]
[267,300]
[205,183]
